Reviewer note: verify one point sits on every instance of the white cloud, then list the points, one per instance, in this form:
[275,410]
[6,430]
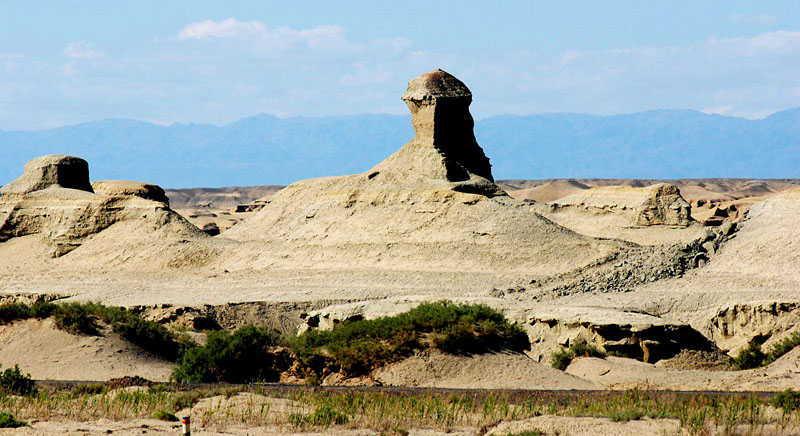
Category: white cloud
[772,43]
[721,110]
[10,61]
[753,19]
[82,50]
[224,29]
[260,38]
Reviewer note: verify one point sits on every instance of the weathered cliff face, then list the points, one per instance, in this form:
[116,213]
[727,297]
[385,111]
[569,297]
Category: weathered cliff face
[550,328]
[54,199]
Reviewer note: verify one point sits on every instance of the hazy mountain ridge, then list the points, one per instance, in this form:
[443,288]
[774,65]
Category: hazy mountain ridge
[264,149]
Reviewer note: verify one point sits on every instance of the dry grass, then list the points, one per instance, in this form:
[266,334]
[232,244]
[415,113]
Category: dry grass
[396,411]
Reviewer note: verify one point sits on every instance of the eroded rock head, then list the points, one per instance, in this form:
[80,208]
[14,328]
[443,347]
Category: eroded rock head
[444,149]
[51,170]
[439,105]
[125,188]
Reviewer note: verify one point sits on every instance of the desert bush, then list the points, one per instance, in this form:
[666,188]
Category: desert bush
[7,420]
[11,312]
[357,347]
[753,356]
[165,415]
[76,318]
[561,359]
[750,357]
[247,355]
[580,348]
[12,381]
[782,348]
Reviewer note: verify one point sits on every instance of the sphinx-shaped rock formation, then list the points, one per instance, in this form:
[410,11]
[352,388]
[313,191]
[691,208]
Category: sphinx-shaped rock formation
[54,199]
[444,148]
[430,206]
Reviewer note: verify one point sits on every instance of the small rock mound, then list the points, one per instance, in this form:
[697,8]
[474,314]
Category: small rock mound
[714,360]
[125,188]
[659,204]
[51,170]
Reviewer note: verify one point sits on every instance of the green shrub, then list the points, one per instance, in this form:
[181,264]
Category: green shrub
[323,416]
[750,357]
[76,318]
[783,347]
[247,355]
[14,382]
[583,349]
[164,415]
[7,420]
[562,358]
[788,400]
[357,347]
[42,309]
[11,312]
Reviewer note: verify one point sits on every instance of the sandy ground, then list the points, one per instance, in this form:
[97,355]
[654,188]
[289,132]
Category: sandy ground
[549,425]
[484,371]
[51,354]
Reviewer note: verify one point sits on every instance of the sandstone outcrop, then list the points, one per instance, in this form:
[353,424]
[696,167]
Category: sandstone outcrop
[54,200]
[57,171]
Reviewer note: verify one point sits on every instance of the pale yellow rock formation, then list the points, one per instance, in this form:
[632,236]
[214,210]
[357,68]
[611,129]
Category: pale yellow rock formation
[659,204]
[54,200]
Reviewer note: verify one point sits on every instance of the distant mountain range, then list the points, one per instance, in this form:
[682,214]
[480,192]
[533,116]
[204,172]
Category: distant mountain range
[262,150]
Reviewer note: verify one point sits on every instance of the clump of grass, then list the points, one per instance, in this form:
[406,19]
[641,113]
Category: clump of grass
[788,400]
[165,415]
[580,348]
[14,382]
[247,355]
[7,420]
[89,389]
[357,347]
[626,415]
[526,433]
[323,416]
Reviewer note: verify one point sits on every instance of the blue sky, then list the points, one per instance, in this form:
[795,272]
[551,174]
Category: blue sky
[66,62]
